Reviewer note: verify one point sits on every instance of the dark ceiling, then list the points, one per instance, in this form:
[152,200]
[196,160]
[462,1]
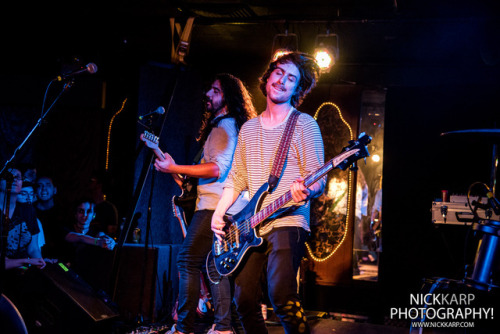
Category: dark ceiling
[370,31]
[383,43]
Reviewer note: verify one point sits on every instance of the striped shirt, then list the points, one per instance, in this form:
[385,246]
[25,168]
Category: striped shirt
[254,157]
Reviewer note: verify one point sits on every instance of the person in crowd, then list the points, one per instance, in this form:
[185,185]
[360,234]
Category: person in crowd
[285,83]
[228,106]
[81,232]
[21,223]
[27,195]
[25,262]
[51,216]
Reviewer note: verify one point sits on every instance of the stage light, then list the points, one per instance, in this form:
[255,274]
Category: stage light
[280,52]
[324,58]
[283,44]
[376,158]
[326,51]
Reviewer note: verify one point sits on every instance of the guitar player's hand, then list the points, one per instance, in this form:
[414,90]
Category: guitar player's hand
[165,165]
[299,191]
[218,225]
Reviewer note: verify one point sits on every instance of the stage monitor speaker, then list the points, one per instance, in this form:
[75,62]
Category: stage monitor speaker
[146,284]
[11,320]
[63,302]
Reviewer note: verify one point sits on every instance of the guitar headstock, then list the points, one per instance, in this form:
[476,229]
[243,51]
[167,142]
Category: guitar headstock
[356,150]
[150,140]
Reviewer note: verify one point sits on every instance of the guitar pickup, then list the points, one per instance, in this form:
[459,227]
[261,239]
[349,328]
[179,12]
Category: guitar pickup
[236,243]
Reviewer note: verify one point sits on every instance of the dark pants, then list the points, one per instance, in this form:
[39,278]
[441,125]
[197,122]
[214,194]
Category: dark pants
[277,260]
[191,259]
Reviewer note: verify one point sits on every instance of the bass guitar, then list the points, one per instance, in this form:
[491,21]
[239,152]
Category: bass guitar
[183,207]
[240,228]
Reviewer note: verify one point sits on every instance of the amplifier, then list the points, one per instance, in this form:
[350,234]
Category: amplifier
[457,211]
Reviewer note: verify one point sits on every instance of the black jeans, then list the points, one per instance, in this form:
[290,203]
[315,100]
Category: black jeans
[192,259]
[277,260]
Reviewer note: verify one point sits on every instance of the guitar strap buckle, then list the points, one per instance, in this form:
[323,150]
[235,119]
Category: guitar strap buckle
[272,182]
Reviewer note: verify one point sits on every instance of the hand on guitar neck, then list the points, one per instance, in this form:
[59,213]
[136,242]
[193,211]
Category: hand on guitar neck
[151,141]
[164,163]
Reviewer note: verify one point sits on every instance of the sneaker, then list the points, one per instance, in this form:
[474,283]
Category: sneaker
[172,330]
[214,331]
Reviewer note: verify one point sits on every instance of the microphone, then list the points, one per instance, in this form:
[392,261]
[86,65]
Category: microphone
[494,203]
[160,111]
[89,68]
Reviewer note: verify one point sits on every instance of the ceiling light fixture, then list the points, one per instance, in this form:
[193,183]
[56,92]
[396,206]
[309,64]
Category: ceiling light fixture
[283,44]
[326,51]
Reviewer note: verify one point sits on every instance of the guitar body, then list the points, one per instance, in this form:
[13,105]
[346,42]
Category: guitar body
[186,201]
[239,237]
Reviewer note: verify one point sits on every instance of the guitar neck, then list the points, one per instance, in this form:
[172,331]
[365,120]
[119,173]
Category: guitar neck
[277,204]
[159,154]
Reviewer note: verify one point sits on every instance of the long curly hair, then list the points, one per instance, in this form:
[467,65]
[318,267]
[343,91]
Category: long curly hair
[309,74]
[238,101]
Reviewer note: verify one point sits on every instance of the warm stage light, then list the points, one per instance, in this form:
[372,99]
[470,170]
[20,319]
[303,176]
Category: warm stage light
[324,58]
[280,52]
[376,158]
[283,44]
[326,51]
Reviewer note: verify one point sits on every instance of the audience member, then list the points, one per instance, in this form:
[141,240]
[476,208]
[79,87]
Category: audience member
[22,227]
[50,215]
[82,232]
[18,263]
[27,195]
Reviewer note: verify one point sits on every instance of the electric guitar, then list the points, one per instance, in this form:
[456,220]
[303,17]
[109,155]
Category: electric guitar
[183,207]
[240,229]
[184,204]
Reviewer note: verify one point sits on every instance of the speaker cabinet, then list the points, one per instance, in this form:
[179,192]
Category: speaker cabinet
[57,300]
[146,282]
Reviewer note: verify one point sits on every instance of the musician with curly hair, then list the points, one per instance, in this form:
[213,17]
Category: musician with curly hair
[228,106]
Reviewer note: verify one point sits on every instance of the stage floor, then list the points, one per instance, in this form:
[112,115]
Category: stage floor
[330,326]
[322,324]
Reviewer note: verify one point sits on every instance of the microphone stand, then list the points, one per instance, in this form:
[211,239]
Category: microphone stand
[66,87]
[115,271]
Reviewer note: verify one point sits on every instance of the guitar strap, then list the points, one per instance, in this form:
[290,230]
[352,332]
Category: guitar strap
[197,157]
[281,154]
